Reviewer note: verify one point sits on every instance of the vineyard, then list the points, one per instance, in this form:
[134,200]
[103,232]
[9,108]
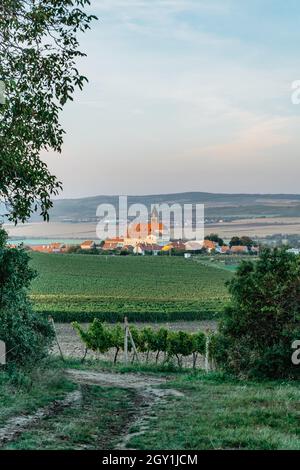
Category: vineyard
[78,287]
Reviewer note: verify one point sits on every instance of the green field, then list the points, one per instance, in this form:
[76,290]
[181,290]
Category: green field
[144,288]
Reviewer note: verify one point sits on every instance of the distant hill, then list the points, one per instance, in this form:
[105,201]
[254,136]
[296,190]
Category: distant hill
[219,206]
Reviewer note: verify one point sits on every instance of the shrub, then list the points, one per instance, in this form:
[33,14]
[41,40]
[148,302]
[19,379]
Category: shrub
[262,320]
[26,334]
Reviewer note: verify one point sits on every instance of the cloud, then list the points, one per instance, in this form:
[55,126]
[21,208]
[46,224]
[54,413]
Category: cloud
[266,134]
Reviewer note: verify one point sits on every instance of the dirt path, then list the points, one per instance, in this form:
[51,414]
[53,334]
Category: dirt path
[149,389]
[18,424]
[145,385]
[137,381]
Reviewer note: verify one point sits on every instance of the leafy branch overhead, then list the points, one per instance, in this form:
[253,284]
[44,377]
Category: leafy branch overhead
[39,51]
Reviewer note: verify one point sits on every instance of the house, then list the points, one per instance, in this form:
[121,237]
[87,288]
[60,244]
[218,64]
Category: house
[146,248]
[147,233]
[113,244]
[223,250]
[167,248]
[55,247]
[139,250]
[88,245]
[193,245]
[126,250]
[209,246]
[239,250]
[178,245]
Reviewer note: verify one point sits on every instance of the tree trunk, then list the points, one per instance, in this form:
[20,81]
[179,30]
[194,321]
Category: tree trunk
[157,356]
[195,356]
[116,355]
[84,356]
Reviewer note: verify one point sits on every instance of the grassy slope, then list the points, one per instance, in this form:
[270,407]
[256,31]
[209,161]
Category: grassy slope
[145,288]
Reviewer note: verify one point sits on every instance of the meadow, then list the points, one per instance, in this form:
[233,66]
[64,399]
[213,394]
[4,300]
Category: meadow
[81,287]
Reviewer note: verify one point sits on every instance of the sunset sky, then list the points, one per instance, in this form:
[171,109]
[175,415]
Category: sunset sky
[185,95]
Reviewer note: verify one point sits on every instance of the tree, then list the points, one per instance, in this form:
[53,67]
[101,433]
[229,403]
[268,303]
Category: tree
[39,50]
[199,345]
[96,337]
[3,237]
[262,320]
[180,344]
[243,241]
[27,335]
[117,339]
[148,341]
[214,237]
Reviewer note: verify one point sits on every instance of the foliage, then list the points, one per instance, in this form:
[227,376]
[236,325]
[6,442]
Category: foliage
[179,344]
[3,237]
[199,342]
[214,237]
[99,337]
[27,335]
[243,241]
[117,339]
[39,51]
[262,320]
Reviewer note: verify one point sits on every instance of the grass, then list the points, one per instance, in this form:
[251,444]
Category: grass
[215,411]
[95,423]
[219,413]
[149,289]
[23,393]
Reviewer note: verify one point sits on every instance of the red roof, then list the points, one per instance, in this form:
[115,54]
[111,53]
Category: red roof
[239,249]
[209,245]
[143,230]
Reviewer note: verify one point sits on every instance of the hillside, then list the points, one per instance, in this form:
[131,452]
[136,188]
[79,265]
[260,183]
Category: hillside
[228,206]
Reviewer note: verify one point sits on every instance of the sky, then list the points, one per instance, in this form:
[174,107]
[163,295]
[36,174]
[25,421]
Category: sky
[185,95]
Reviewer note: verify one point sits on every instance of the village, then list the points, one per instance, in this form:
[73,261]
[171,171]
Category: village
[153,238]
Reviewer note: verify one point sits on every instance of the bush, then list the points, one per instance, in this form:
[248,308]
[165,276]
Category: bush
[262,320]
[26,334]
